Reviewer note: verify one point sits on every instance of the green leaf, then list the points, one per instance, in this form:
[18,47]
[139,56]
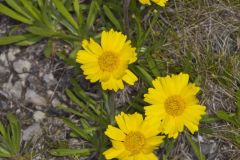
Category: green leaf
[92,14]
[13,39]
[209,119]
[34,11]
[9,12]
[17,7]
[76,8]
[76,129]
[61,8]
[70,152]
[226,117]
[29,41]
[111,17]
[152,65]
[195,148]
[48,50]
[15,132]
[2,130]
[141,72]
[168,146]
[40,31]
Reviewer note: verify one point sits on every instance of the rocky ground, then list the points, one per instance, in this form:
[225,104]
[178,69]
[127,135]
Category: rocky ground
[31,87]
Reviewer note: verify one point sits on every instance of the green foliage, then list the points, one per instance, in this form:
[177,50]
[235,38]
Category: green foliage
[93,119]
[195,148]
[10,138]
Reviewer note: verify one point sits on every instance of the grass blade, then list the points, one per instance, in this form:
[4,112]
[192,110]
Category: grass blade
[195,148]
[112,18]
[70,152]
[76,129]
[61,8]
[92,14]
[9,12]
[17,7]
[13,39]
[34,11]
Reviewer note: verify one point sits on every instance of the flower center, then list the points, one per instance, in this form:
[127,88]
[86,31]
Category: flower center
[174,105]
[108,61]
[134,142]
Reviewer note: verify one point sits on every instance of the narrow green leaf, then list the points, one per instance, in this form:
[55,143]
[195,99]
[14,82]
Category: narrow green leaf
[226,117]
[16,6]
[48,50]
[195,148]
[141,72]
[209,119]
[2,130]
[29,41]
[61,8]
[111,17]
[76,8]
[13,39]
[92,14]
[9,12]
[81,93]
[76,129]
[15,132]
[152,65]
[70,152]
[34,11]
[40,31]
[75,99]
[4,153]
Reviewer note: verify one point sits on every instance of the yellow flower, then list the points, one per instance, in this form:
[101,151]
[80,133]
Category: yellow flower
[161,3]
[174,104]
[109,62]
[135,139]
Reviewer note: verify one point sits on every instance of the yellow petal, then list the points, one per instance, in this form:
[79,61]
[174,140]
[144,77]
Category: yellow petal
[112,41]
[142,156]
[133,121]
[115,133]
[145,2]
[112,153]
[92,47]
[112,84]
[121,122]
[129,77]
[85,57]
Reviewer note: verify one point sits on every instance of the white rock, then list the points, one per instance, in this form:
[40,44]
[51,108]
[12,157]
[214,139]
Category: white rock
[12,53]
[33,97]
[22,66]
[55,102]
[16,90]
[49,79]
[39,116]
[33,132]
[3,59]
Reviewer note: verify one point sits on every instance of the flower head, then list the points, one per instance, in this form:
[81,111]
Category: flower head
[134,139]
[174,104]
[161,3]
[109,62]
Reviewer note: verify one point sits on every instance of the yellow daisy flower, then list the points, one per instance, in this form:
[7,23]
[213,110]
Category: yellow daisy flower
[174,104]
[109,62]
[161,3]
[135,139]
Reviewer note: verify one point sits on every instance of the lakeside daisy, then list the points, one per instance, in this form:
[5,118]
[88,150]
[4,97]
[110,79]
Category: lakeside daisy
[161,3]
[108,62]
[174,104]
[134,139]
